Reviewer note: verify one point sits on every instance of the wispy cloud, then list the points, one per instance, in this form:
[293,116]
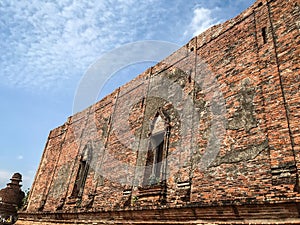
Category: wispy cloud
[44,44]
[20,157]
[203,18]
[209,13]
[50,44]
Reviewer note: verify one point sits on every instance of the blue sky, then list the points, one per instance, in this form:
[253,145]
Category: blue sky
[47,46]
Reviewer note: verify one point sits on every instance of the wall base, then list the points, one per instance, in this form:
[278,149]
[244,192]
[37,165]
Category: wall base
[282,213]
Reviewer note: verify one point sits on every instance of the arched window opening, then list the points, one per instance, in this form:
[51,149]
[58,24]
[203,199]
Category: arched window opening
[157,151]
[82,173]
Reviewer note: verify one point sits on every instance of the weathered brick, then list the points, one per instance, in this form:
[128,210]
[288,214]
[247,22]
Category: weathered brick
[229,105]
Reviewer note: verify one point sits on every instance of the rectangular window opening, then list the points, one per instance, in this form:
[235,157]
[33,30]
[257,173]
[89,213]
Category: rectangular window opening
[142,102]
[264,34]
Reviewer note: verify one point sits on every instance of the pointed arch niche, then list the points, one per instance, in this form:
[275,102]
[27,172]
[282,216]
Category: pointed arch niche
[82,173]
[156,163]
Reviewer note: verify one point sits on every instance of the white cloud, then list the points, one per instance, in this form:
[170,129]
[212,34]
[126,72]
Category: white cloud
[20,157]
[4,178]
[202,20]
[48,43]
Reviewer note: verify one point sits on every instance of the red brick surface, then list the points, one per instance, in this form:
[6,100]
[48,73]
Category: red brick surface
[231,96]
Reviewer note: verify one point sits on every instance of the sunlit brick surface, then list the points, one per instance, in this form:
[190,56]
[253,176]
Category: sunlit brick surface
[242,80]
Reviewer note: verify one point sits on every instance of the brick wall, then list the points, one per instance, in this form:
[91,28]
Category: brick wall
[229,100]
